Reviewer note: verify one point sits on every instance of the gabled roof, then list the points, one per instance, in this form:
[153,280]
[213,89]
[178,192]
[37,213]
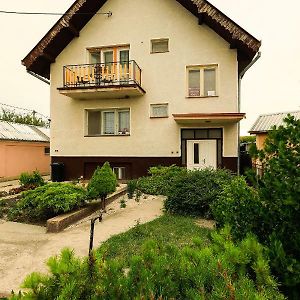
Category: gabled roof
[39,59]
[264,123]
[21,132]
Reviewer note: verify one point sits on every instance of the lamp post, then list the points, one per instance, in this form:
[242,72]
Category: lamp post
[93,220]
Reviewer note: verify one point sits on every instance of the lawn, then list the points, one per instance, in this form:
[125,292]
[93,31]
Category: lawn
[172,229]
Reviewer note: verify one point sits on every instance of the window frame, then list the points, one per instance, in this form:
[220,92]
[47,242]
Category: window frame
[158,104]
[153,41]
[201,69]
[116,122]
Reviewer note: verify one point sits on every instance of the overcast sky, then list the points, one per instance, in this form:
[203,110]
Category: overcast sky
[271,85]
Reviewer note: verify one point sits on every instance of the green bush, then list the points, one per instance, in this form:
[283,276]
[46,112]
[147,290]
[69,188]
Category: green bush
[239,206]
[160,180]
[279,191]
[193,192]
[48,201]
[223,270]
[102,183]
[131,188]
[34,179]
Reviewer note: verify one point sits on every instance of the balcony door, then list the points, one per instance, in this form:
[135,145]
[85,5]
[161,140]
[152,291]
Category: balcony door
[201,154]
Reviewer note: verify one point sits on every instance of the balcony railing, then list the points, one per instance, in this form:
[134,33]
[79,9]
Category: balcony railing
[102,74]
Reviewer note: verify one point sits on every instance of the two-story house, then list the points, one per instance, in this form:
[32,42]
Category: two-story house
[143,82]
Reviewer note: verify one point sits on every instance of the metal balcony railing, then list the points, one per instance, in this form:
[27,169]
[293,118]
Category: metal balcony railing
[102,74]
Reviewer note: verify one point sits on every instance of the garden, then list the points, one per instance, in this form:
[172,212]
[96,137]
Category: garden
[36,201]
[254,253]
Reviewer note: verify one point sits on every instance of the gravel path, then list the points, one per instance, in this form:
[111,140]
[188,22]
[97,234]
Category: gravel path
[25,248]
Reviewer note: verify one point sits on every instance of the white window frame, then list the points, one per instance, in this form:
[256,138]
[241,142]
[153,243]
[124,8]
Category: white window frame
[201,68]
[153,41]
[116,121]
[158,104]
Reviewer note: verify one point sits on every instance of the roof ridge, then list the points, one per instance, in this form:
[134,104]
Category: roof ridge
[279,113]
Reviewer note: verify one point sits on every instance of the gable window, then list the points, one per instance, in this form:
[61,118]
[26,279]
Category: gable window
[159,110]
[108,122]
[202,81]
[159,45]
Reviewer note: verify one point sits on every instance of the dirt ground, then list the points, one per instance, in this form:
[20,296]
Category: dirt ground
[25,248]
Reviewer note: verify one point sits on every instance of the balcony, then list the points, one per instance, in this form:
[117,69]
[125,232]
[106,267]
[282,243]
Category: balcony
[119,80]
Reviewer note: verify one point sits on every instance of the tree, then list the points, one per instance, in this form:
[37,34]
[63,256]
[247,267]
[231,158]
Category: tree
[21,118]
[279,191]
[102,183]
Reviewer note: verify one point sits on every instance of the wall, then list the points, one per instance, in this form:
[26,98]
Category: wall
[18,157]
[260,140]
[163,77]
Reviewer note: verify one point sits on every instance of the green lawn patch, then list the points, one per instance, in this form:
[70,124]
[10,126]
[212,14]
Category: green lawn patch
[172,229]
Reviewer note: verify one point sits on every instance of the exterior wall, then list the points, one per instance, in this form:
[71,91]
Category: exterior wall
[18,157]
[260,140]
[163,79]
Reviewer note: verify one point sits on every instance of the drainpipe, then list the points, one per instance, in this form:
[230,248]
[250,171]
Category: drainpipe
[39,77]
[241,75]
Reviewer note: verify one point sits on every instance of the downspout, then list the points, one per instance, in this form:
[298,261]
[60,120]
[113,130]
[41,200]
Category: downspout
[39,77]
[241,75]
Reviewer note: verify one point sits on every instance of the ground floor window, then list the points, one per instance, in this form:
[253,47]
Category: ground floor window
[108,122]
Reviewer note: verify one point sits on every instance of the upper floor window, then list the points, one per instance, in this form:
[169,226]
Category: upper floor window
[108,122]
[159,45]
[109,55]
[159,110]
[202,81]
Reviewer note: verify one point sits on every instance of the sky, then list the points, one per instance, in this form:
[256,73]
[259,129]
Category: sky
[271,85]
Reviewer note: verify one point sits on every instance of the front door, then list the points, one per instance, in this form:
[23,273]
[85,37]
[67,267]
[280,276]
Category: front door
[201,154]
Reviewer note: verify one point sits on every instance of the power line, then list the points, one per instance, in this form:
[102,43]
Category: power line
[109,14]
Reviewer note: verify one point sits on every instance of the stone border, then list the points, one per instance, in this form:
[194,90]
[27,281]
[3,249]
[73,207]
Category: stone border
[60,222]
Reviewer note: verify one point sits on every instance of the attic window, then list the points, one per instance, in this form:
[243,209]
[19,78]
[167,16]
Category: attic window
[159,45]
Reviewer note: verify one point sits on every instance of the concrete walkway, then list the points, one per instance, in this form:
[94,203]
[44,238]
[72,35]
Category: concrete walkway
[25,248]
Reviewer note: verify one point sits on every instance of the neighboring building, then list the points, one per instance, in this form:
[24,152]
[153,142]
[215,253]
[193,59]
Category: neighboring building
[150,83]
[23,148]
[261,127]
[264,124]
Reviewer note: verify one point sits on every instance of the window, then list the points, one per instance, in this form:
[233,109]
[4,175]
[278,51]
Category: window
[159,45]
[109,55]
[47,150]
[202,81]
[159,110]
[108,122]
[120,172]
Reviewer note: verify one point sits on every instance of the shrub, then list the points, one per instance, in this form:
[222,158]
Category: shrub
[239,206]
[194,192]
[131,188]
[223,270]
[48,201]
[34,179]
[102,183]
[279,191]
[160,180]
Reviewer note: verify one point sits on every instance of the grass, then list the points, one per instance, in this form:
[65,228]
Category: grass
[177,230]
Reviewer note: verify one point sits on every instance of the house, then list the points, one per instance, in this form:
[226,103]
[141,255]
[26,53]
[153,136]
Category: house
[264,124]
[143,82]
[23,148]
[261,127]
